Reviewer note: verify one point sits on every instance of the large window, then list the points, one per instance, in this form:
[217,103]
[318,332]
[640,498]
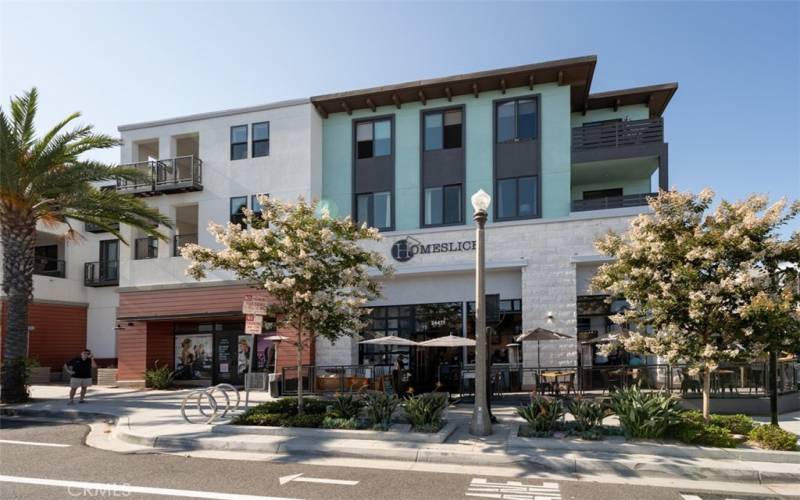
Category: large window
[373,138]
[375,209]
[239,142]
[443,130]
[516,120]
[238,204]
[516,197]
[443,205]
[260,139]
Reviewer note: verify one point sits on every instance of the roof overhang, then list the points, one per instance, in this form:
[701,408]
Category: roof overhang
[656,97]
[576,72]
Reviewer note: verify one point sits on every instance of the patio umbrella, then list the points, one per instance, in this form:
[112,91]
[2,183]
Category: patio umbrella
[389,340]
[448,341]
[538,335]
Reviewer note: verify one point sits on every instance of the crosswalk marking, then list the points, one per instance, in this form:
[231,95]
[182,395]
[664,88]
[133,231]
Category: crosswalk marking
[513,490]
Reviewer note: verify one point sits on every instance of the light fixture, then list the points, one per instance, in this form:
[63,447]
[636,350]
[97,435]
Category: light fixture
[550,315]
[481,201]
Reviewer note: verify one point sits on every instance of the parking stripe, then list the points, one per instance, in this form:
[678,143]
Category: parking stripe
[33,443]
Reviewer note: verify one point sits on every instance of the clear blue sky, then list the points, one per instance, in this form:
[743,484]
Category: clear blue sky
[734,124]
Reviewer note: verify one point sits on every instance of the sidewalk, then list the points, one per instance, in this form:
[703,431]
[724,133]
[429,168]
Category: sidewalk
[153,419]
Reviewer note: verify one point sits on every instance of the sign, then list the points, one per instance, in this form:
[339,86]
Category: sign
[405,249]
[253,324]
[255,304]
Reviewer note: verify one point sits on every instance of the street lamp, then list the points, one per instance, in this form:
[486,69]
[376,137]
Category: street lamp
[480,425]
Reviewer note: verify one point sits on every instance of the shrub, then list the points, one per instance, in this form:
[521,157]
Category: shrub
[692,429]
[159,377]
[542,414]
[425,411]
[268,419]
[643,414]
[345,407]
[773,437]
[331,422]
[588,414]
[22,371]
[288,406]
[306,420]
[737,424]
[380,408]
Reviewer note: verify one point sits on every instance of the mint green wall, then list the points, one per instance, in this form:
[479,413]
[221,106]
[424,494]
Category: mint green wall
[633,112]
[629,186]
[554,137]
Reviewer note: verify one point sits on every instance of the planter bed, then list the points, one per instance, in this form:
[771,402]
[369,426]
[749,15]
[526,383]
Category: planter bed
[398,432]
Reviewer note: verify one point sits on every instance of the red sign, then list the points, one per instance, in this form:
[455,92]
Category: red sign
[253,324]
[255,304]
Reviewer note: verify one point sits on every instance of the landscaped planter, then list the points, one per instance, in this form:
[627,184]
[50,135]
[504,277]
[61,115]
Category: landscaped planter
[106,376]
[39,375]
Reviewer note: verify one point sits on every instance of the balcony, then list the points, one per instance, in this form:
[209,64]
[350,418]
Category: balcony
[145,248]
[629,200]
[179,240]
[53,268]
[171,175]
[94,228]
[103,273]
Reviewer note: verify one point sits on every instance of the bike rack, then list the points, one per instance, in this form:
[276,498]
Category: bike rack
[208,394]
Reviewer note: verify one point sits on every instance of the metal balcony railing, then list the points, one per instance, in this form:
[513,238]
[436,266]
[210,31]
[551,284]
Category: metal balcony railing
[145,248]
[615,134]
[102,273]
[54,268]
[94,228]
[179,240]
[629,200]
[171,175]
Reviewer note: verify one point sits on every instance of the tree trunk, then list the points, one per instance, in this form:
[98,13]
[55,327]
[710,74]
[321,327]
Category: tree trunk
[19,240]
[300,367]
[706,393]
[773,387]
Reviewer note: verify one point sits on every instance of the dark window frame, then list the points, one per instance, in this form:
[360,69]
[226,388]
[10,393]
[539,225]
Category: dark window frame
[516,101]
[255,141]
[371,210]
[537,97]
[443,112]
[355,192]
[237,218]
[464,209]
[234,144]
[444,210]
[372,122]
[516,216]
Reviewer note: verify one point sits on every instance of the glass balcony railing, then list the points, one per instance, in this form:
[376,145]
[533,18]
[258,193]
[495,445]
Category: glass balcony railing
[179,240]
[604,203]
[103,273]
[145,248]
[171,175]
[53,268]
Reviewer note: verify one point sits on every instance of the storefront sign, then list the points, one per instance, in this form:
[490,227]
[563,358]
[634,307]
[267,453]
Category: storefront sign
[403,250]
[255,304]
[253,324]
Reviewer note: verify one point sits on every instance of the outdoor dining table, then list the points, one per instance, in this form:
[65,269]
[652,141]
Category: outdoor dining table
[555,375]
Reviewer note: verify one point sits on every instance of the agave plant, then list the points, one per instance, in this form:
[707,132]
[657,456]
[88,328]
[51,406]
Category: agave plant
[542,414]
[345,406]
[426,411]
[644,414]
[380,408]
[588,414]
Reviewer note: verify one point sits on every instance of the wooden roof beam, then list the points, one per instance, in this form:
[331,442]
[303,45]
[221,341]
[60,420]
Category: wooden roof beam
[346,107]
[616,105]
[560,78]
[421,95]
[321,111]
[448,93]
[396,100]
[503,85]
[371,104]
[585,108]
[475,90]
[530,81]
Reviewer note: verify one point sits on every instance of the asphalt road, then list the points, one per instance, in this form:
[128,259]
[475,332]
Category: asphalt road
[49,460]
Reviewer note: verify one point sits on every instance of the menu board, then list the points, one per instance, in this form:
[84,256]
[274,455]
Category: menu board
[225,358]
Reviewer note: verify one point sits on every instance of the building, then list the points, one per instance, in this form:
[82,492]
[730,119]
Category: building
[563,166]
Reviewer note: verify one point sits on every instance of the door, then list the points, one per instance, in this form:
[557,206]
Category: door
[109,257]
[233,357]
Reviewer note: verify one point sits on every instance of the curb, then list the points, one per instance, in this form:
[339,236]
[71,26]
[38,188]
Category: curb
[390,435]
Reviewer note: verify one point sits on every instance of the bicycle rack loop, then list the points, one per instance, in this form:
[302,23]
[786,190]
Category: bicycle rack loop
[199,395]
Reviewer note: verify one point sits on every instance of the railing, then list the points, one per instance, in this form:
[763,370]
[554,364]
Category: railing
[102,273]
[332,379]
[94,228]
[179,240]
[628,200]
[171,174]
[617,134]
[54,268]
[145,248]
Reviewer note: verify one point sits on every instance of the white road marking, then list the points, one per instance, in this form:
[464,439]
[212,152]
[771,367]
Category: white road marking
[32,443]
[105,489]
[513,490]
[690,497]
[297,479]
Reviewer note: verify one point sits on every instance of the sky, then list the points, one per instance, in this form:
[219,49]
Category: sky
[733,125]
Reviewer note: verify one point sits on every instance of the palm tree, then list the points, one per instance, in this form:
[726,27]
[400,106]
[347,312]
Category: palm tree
[45,180]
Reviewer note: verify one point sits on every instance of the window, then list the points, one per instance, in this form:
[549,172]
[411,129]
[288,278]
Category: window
[146,248]
[373,139]
[602,193]
[255,206]
[260,139]
[516,197]
[239,142]
[516,120]
[443,130]
[443,205]
[238,204]
[375,209]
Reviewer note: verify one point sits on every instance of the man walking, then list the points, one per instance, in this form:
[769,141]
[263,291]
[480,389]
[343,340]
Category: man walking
[80,370]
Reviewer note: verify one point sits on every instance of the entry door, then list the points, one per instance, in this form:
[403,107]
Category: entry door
[109,256]
[233,357]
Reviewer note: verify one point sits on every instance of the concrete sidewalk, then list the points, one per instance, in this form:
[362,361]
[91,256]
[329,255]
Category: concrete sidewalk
[153,419]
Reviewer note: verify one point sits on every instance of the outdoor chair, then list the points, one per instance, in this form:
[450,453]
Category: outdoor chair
[498,384]
[611,379]
[568,384]
[688,384]
[541,384]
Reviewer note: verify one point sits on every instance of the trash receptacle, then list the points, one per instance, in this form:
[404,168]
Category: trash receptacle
[274,385]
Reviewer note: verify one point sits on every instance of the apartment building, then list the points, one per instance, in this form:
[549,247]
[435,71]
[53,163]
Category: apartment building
[563,165]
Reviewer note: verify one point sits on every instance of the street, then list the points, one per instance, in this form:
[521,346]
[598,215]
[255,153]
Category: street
[50,460]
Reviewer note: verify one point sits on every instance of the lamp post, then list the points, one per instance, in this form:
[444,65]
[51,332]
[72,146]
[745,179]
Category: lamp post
[480,425]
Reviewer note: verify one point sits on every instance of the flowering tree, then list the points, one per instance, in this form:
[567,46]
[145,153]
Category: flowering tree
[310,263]
[690,276]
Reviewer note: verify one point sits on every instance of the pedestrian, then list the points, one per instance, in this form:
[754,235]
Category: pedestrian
[80,371]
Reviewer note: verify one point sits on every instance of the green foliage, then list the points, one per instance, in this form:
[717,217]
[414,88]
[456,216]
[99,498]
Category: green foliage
[288,406]
[340,423]
[542,414]
[20,369]
[380,408]
[691,428]
[255,418]
[737,424]
[346,407]
[644,414]
[588,414]
[159,377]
[425,411]
[307,420]
[773,437]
